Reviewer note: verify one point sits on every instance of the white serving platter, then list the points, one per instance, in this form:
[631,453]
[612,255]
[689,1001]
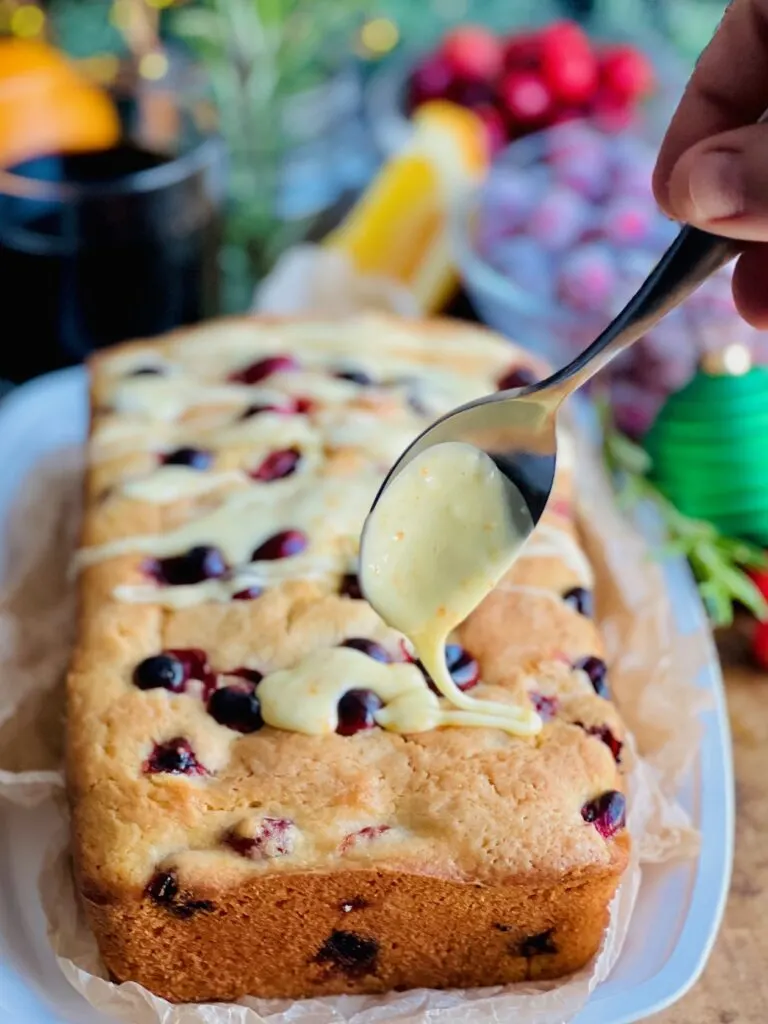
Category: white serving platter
[680,904]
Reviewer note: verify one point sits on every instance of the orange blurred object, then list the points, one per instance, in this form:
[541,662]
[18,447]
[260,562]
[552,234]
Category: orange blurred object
[46,106]
[398,228]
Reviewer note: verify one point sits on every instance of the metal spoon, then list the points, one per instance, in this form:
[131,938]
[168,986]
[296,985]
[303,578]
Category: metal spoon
[518,428]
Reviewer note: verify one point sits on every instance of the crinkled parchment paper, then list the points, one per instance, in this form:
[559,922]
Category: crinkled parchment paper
[651,673]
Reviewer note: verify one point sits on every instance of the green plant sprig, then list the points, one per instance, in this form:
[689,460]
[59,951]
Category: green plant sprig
[718,562]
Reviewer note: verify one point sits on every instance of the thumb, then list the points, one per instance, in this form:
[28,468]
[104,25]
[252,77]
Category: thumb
[721,184]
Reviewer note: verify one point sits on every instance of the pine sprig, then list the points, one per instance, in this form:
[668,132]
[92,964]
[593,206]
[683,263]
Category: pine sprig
[718,562]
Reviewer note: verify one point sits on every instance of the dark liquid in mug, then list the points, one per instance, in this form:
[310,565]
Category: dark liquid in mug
[77,276]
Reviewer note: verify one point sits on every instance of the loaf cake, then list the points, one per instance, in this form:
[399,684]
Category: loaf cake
[230,470]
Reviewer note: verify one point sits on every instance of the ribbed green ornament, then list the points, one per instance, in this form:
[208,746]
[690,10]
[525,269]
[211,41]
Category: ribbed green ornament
[709,446]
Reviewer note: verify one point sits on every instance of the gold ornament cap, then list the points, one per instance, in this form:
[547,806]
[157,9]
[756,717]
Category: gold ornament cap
[732,361]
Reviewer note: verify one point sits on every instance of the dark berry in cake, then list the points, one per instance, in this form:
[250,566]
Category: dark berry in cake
[281,545]
[264,368]
[545,705]
[581,600]
[251,675]
[517,377]
[538,945]
[194,661]
[602,732]
[248,593]
[351,953]
[195,458]
[160,671]
[606,812]
[164,889]
[256,409]
[363,835]
[237,707]
[175,757]
[350,586]
[273,837]
[597,671]
[463,668]
[356,711]
[369,647]
[355,376]
[277,465]
[203,562]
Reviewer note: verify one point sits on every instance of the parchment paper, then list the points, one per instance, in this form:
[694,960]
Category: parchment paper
[651,673]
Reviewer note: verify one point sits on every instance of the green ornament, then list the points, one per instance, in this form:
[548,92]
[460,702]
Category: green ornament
[709,446]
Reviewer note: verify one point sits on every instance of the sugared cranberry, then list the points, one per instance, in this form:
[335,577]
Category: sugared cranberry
[285,544]
[264,368]
[237,707]
[463,668]
[161,670]
[356,711]
[364,835]
[164,889]
[517,377]
[277,465]
[203,562]
[274,837]
[175,757]
[606,812]
[597,672]
[581,600]
[350,586]
[248,593]
[369,647]
[146,371]
[538,945]
[355,376]
[602,732]
[195,458]
[195,664]
[351,953]
[545,705]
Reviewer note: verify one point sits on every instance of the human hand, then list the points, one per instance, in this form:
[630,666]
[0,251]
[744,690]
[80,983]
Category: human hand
[712,170]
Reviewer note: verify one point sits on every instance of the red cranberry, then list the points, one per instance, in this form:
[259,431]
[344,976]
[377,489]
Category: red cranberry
[164,889]
[546,706]
[263,368]
[473,52]
[526,97]
[285,544]
[581,600]
[273,838]
[355,376]
[463,668]
[597,671]
[430,80]
[237,707]
[517,377]
[364,835]
[195,458]
[175,757]
[523,52]
[350,586]
[161,670]
[356,711]
[568,63]
[602,732]
[277,465]
[353,954]
[369,647]
[303,406]
[199,563]
[248,593]
[538,945]
[606,812]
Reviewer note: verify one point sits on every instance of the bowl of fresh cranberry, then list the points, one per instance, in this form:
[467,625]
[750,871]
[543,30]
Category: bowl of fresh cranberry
[526,81]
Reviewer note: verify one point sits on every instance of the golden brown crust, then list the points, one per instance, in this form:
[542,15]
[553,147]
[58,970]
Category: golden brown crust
[473,842]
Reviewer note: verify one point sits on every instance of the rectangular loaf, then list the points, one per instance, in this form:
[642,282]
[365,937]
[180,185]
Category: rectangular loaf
[218,859]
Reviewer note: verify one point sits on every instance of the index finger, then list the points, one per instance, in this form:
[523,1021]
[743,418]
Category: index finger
[728,88]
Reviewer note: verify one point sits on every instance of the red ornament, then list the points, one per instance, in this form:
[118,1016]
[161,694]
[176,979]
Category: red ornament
[472,53]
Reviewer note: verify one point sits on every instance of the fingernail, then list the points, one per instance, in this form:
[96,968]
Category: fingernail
[716,186]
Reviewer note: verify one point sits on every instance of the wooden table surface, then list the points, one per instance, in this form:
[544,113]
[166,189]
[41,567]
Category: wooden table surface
[734,986]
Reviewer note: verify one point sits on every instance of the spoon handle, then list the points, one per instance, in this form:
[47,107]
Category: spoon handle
[689,260]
